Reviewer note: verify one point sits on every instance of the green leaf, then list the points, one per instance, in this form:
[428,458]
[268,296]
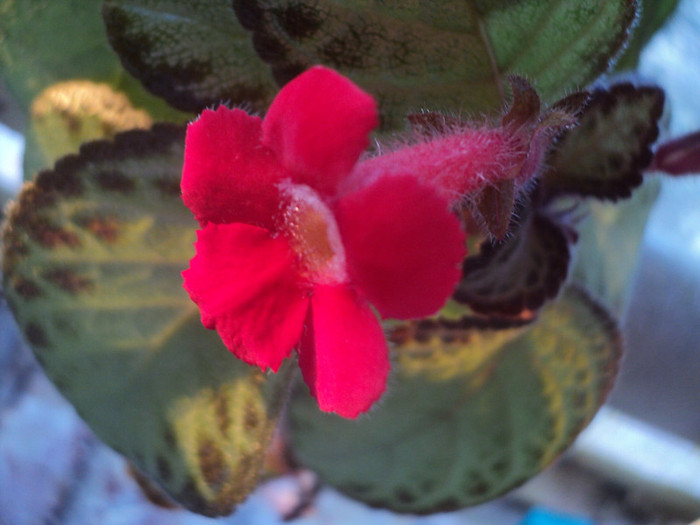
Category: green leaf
[42,43]
[93,252]
[654,14]
[440,442]
[69,113]
[604,156]
[452,55]
[519,273]
[193,54]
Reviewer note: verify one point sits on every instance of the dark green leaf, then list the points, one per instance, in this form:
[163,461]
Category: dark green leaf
[454,431]
[604,156]
[453,55]
[193,54]
[93,252]
[519,273]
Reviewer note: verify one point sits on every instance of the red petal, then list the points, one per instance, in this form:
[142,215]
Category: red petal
[318,126]
[246,285]
[228,176]
[403,246]
[344,356]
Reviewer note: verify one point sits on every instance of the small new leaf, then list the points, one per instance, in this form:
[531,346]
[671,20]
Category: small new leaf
[604,156]
[457,431]
[510,277]
[92,255]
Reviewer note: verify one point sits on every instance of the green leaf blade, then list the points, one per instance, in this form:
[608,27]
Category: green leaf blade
[92,258]
[449,55]
[192,54]
[453,56]
[439,443]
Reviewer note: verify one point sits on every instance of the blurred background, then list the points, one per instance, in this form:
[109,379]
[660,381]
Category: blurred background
[637,463]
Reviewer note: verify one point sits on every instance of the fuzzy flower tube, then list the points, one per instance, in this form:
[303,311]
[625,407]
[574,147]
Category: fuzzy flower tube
[302,248]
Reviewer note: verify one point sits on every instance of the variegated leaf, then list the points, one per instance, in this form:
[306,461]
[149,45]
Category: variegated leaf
[460,430]
[604,156]
[92,255]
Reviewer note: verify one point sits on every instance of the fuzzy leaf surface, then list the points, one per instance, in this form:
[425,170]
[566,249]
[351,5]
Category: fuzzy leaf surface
[193,54]
[604,156]
[452,55]
[93,252]
[519,273]
[440,442]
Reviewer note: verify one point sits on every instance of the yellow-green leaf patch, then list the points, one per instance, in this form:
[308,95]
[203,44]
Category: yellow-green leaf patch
[440,442]
[92,255]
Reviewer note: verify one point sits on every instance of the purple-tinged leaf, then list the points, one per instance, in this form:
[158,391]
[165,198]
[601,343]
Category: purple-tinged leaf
[518,274]
[604,156]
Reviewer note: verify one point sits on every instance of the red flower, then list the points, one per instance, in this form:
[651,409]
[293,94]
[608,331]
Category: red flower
[290,253]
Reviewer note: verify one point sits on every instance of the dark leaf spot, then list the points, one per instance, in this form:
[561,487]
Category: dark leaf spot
[223,418]
[68,280]
[211,462]
[115,181]
[479,490]
[163,468]
[27,288]
[298,20]
[269,47]
[252,418]
[27,215]
[168,186]
[169,439]
[448,504]
[249,13]
[405,497]
[104,228]
[63,179]
[36,335]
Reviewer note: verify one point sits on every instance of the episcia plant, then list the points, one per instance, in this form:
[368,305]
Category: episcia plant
[382,195]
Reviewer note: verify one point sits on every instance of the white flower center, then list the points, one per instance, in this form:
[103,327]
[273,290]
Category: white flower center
[311,230]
